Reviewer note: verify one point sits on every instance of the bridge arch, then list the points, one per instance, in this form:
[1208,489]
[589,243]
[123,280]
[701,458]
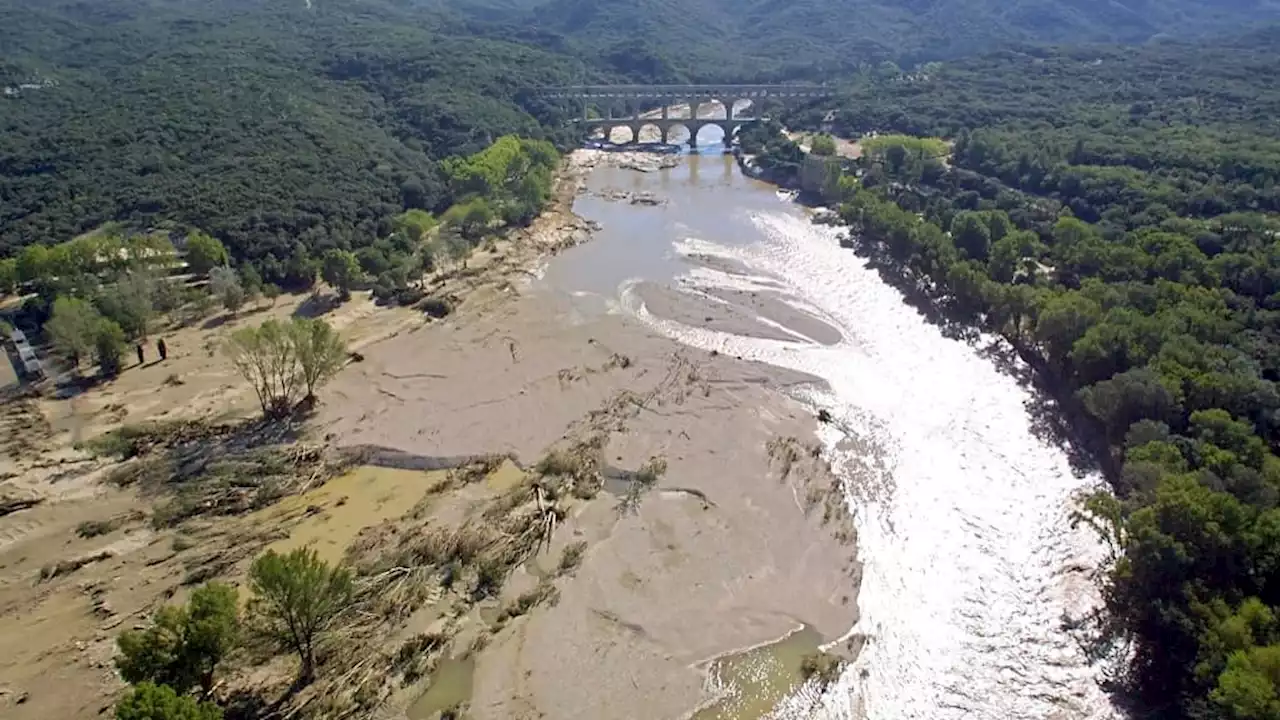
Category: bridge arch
[620,133]
[677,133]
[725,108]
[651,132]
[693,133]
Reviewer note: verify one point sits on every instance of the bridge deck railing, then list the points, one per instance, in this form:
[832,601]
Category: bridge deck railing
[683,91]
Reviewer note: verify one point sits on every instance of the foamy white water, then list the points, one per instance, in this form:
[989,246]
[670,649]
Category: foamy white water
[970,564]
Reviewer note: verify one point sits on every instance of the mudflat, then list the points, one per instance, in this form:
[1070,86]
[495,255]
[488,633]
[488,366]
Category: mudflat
[716,525]
[743,539]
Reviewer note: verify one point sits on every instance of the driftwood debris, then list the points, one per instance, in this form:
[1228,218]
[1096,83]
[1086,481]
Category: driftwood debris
[13,505]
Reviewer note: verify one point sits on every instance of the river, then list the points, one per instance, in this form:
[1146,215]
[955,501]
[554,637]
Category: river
[970,563]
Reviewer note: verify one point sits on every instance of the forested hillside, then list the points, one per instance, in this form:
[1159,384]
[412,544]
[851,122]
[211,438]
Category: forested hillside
[1113,214]
[727,39]
[281,124]
[265,124]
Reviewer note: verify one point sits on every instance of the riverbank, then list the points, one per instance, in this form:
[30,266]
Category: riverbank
[741,539]
[744,539]
[963,506]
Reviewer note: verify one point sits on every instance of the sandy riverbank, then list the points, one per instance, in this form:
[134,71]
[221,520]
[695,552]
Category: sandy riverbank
[744,537]
[733,549]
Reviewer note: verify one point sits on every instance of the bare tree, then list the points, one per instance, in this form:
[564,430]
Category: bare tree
[279,359]
[268,359]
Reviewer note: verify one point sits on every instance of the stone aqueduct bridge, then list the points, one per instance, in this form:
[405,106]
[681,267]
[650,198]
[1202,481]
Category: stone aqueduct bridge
[635,97]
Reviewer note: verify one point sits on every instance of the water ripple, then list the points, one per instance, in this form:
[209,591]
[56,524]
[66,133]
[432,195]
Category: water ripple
[970,563]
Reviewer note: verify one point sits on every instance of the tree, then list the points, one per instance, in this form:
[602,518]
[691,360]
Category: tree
[271,291]
[130,302]
[297,597]
[300,271]
[224,283]
[33,263]
[267,358]
[108,346]
[372,260]
[148,701]
[822,145]
[8,275]
[972,235]
[1249,688]
[204,253]
[320,352]
[1126,398]
[340,270]
[153,654]
[415,224]
[74,327]
[185,644]
[251,281]
[471,218]
[211,631]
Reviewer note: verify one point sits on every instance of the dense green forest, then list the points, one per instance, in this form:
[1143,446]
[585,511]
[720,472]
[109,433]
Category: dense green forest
[267,125]
[728,40]
[287,128]
[1112,213]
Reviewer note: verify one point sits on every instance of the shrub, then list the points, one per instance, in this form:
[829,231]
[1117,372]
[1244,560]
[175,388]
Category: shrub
[436,307]
[822,667]
[149,701]
[571,558]
[184,644]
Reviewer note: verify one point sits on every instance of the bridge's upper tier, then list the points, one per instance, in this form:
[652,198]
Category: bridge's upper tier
[684,92]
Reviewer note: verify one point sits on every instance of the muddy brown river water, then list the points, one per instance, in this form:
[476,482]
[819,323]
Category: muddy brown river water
[970,563]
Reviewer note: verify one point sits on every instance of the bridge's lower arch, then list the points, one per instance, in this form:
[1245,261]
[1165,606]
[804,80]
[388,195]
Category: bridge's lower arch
[677,134]
[672,131]
[620,134]
[710,133]
[651,133]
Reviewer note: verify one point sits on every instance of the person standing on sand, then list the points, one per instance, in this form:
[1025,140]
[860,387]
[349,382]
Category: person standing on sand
[160,348]
[141,356]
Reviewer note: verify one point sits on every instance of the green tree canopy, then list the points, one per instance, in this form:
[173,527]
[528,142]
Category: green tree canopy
[74,327]
[822,145]
[148,701]
[321,352]
[184,644]
[204,253]
[340,269]
[297,598]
